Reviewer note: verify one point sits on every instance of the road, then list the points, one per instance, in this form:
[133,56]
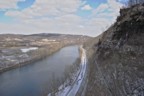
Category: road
[76,85]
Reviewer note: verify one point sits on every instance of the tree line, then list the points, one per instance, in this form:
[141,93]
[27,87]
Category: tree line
[134,2]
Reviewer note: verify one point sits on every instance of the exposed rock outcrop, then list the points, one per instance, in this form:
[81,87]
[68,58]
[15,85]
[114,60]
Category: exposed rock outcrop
[117,64]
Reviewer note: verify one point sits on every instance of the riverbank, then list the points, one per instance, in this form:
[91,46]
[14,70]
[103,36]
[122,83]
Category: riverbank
[32,59]
[36,55]
[72,85]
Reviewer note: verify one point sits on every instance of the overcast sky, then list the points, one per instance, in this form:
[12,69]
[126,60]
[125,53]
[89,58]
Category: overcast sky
[85,17]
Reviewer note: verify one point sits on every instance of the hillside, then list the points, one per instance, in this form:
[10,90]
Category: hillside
[116,67]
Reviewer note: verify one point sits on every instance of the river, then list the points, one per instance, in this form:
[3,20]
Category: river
[35,79]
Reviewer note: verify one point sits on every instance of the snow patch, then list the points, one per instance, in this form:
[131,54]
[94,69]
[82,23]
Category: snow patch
[24,50]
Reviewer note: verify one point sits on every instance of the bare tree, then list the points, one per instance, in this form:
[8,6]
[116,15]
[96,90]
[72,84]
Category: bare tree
[134,2]
[54,86]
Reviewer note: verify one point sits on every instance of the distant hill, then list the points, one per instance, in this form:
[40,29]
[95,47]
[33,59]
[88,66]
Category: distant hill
[3,37]
[46,34]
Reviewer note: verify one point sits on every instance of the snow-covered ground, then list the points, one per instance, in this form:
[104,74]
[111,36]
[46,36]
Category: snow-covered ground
[76,85]
[24,50]
[72,90]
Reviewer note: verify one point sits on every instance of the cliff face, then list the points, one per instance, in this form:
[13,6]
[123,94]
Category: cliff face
[117,64]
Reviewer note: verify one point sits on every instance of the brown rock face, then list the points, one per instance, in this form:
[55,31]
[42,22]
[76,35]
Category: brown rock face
[117,66]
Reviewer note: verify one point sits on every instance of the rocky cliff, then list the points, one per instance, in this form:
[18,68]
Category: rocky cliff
[117,63]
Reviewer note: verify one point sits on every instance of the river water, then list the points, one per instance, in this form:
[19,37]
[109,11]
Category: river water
[35,79]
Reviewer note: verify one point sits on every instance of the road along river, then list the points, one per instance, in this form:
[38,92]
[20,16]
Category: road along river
[73,89]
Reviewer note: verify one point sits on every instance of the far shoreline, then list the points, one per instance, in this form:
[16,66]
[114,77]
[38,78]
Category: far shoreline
[31,61]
